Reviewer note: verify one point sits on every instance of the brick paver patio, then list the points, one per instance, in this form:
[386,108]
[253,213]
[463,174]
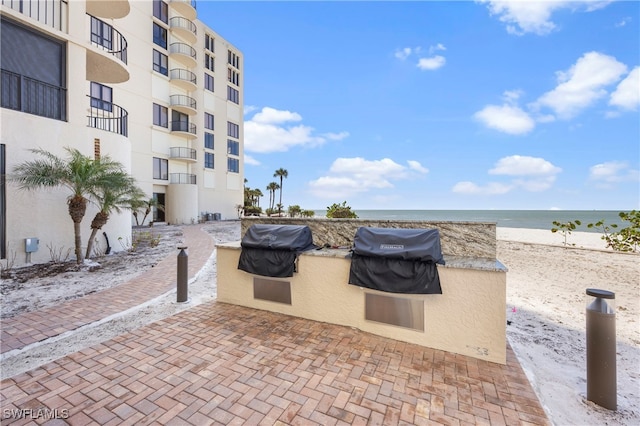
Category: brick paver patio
[223,364]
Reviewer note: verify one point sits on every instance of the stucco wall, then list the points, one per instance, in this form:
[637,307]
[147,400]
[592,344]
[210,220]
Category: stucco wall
[469,318]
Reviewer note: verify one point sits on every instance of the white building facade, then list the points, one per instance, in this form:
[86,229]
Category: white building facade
[144,82]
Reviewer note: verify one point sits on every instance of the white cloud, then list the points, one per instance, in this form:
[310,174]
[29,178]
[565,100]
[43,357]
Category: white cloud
[623,22]
[432,63]
[523,17]
[612,172]
[518,165]
[530,174]
[272,130]
[414,165]
[582,85]
[437,47]
[249,109]
[506,118]
[493,188]
[627,94]
[403,53]
[250,160]
[349,176]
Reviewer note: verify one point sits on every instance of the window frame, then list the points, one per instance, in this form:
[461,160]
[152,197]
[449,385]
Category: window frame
[162,112]
[208,82]
[209,160]
[101,96]
[209,140]
[160,38]
[233,147]
[209,119]
[158,66]
[233,95]
[233,130]
[161,11]
[233,165]
[160,165]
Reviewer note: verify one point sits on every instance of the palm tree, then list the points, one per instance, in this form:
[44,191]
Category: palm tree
[256,194]
[80,174]
[148,205]
[125,194]
[282,173]
[272,188]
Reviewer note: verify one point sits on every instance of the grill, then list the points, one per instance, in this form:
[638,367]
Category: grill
[396,260]
[272,250]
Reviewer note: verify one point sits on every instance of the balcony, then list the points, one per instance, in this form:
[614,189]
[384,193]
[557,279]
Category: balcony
[108,116]
[183,154]
[184,79]
[184,104]
[52,13]
[36,97]
[112,9]
[183,53]
[186,8]
[184,28]
[107,60]
[183,128]
[182,178]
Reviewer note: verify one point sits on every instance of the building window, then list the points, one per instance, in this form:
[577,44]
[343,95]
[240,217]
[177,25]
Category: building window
[208,82]
[233,147]
[33,78]
[233,165]
[179,121]
[233,95]
[101,33]
[209,43]
[101,97]
[160,115]
[233,130]
[159,35]
[208,140]
[208,121]
[209,62]
[208,160]
[160,10]
[233,59]
[233,76]
[160,62]
[160,168]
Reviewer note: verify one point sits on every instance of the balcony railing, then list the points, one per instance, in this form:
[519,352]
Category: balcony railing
[183,49]
[184,75]
[182,178]
[183,153]
[25,94]
[182,100]
[183,126]
[108,116]
[52,13]
[178,22]
[185,7]
[108,38]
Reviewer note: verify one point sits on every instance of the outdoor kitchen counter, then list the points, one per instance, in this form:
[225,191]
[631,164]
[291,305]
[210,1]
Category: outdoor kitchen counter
[458,262]
[468,318]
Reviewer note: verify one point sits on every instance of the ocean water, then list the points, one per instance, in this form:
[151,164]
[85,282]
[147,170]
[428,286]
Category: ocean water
[531,219]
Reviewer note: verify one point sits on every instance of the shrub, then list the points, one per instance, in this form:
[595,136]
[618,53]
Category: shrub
[565,228]
[627,239]
[341,211]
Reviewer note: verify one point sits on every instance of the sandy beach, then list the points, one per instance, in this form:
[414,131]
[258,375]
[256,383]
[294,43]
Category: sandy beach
[546,302]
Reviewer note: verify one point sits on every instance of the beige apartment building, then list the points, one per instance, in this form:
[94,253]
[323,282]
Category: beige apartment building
[144,82]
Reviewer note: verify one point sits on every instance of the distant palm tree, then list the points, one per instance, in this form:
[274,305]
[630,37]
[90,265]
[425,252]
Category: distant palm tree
[124,195]
[82,175]
[272,188]
[282,173]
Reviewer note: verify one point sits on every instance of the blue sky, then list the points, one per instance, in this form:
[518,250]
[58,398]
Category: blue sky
[440,105]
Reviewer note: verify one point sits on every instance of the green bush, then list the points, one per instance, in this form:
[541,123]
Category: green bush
[565,228]
[252,210]
[336,211]
[627,239]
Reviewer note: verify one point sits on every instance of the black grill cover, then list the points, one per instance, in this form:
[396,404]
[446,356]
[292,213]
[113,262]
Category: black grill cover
[397,260]
[272,250]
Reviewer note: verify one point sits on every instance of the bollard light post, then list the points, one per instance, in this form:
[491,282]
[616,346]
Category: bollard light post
[183,275]
[601,348]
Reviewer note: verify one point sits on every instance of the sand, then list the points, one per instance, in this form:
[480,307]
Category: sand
[546,302]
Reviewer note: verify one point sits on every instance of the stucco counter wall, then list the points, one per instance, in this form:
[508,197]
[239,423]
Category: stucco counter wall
[469,318]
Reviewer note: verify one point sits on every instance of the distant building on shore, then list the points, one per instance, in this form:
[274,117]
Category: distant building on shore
[144,82]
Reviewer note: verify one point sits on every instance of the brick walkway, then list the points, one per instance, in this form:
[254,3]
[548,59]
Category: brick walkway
[26,329]
[224,364]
